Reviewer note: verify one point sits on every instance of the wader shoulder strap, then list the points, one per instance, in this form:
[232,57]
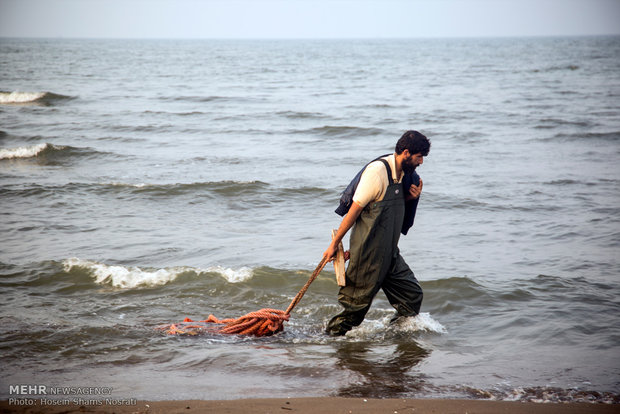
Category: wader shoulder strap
[389,171]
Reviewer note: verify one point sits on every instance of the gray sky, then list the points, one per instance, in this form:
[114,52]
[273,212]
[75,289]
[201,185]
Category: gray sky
[306,19]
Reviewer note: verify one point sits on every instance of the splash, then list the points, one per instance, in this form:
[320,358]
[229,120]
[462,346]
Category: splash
[133,277]
[423,322]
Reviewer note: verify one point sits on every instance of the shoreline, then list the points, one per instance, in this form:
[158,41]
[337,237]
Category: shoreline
[311,405]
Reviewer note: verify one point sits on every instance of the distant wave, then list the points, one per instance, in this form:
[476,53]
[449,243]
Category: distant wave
[549,123]
[262,193]
[157,113]
[610,136]
[29,97]
[603,136]
[205,99]
[300,115]
[556,68]
[133,277]
[222,188]
[340,131]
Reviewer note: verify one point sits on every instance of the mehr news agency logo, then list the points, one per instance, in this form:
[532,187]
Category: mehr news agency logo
[28,394]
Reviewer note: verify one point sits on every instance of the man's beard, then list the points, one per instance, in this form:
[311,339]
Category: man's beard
[409,167]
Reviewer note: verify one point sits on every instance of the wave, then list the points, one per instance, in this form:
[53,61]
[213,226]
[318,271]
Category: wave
[557,68]
[47,152]
[340,131]
[262,194]
[231,290]
[460,294]
[550,123]
[26,152]
[30,97]
[205,99]
[612,136]
[440,290]
[158,113]
[227,188]
[134,277]
[301,115]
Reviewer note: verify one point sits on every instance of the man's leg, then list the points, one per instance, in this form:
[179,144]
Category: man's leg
[355,309]
[402,289]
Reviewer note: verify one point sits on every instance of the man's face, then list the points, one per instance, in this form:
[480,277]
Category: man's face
[412,161]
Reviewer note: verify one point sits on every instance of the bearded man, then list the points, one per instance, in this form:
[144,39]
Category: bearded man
[381,205]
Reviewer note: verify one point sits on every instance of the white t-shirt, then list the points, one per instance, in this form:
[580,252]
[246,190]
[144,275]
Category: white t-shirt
[374,182]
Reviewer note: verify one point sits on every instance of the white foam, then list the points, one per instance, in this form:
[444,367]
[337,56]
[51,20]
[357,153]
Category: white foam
[420,323]
[20,97]
[232,275]
[124,277]
[119,184]
[23,152]
[132,277]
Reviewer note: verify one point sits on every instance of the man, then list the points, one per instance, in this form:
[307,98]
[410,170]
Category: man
[377,213]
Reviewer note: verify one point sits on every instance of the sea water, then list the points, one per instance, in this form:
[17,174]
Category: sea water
[145,181]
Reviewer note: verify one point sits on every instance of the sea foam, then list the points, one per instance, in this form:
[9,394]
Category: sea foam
[423,322]
[133,277]
[232,275]
[23,152]
[17,97]
[20,97]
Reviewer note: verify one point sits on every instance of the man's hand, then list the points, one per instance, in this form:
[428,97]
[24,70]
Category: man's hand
[330,253]
[415,191]
[345,225]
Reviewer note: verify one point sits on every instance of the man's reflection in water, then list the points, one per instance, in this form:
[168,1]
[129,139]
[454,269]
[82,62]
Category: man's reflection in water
[385,371]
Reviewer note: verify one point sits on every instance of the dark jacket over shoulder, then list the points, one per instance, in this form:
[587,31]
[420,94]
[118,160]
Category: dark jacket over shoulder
[410,206]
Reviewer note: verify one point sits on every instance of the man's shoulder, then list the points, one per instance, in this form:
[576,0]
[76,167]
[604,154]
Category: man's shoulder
[381,166]
[377,166]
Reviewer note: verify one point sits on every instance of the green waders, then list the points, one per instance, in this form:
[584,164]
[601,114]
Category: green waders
[375,263]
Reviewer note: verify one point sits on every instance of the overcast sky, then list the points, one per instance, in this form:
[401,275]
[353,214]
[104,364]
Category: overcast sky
[306,18]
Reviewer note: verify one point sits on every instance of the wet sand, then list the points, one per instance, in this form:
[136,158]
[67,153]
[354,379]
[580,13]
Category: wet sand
[327,405]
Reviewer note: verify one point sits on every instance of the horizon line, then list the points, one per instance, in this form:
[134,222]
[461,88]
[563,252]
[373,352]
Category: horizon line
[523,36]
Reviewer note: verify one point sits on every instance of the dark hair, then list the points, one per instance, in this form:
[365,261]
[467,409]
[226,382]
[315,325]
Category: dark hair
[415,142]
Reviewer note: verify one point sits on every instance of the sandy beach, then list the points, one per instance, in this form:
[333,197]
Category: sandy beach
[326,405]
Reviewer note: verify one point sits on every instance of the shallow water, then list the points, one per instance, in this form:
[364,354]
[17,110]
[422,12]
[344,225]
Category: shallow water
[142,182]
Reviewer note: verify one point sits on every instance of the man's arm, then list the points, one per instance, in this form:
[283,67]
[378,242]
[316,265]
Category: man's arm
[345,225]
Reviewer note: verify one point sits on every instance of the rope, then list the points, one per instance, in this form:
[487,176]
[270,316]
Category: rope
[260,323]
[306,286]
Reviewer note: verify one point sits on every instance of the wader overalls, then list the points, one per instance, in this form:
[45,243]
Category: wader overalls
[375,263]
